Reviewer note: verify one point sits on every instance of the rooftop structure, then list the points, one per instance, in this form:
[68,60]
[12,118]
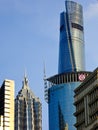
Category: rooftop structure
[28,109]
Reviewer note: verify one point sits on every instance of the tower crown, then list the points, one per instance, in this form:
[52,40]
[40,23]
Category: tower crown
[25,81]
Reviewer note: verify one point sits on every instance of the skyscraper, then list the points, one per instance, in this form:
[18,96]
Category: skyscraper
[71,47]
[7,105]
[60,97]
[28,109]
[60,89]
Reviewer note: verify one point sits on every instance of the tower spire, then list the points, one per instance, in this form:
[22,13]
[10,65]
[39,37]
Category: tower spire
[45,85]
[25,80]
[25,74]
[44,71]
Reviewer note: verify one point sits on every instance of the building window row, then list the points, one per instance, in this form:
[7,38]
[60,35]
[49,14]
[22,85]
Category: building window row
[93,95]
[80,105]
[81,117]
[77,26]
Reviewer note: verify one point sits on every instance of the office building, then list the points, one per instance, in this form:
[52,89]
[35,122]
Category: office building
[59,89]
[28,109]
[86,103]
[7,105]
[60,99]
[71,47]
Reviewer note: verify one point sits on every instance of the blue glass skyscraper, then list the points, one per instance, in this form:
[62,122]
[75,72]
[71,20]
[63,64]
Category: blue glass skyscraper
[59,93]
[71,47]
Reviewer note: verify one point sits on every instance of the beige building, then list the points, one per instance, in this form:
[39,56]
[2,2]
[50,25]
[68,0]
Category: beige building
[7,105]
[86,102]
[66,127]
[1,122]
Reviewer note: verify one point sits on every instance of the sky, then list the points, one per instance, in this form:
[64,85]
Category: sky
[29,37]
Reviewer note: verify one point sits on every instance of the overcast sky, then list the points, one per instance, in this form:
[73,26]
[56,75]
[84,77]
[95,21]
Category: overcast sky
[29,35]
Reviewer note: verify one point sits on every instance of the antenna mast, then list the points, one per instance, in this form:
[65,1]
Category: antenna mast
[45,85]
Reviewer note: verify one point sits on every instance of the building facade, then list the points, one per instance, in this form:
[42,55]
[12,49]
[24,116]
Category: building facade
[59,90]
[71,46]
[28,109]
[7,105]
[1,122]
[60,99]
[86,103]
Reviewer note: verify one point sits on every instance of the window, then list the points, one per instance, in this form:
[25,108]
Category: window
[77,26]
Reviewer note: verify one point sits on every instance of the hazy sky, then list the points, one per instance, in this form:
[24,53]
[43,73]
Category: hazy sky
[29,35]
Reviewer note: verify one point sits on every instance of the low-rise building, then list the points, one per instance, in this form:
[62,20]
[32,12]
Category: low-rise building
[7,105]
